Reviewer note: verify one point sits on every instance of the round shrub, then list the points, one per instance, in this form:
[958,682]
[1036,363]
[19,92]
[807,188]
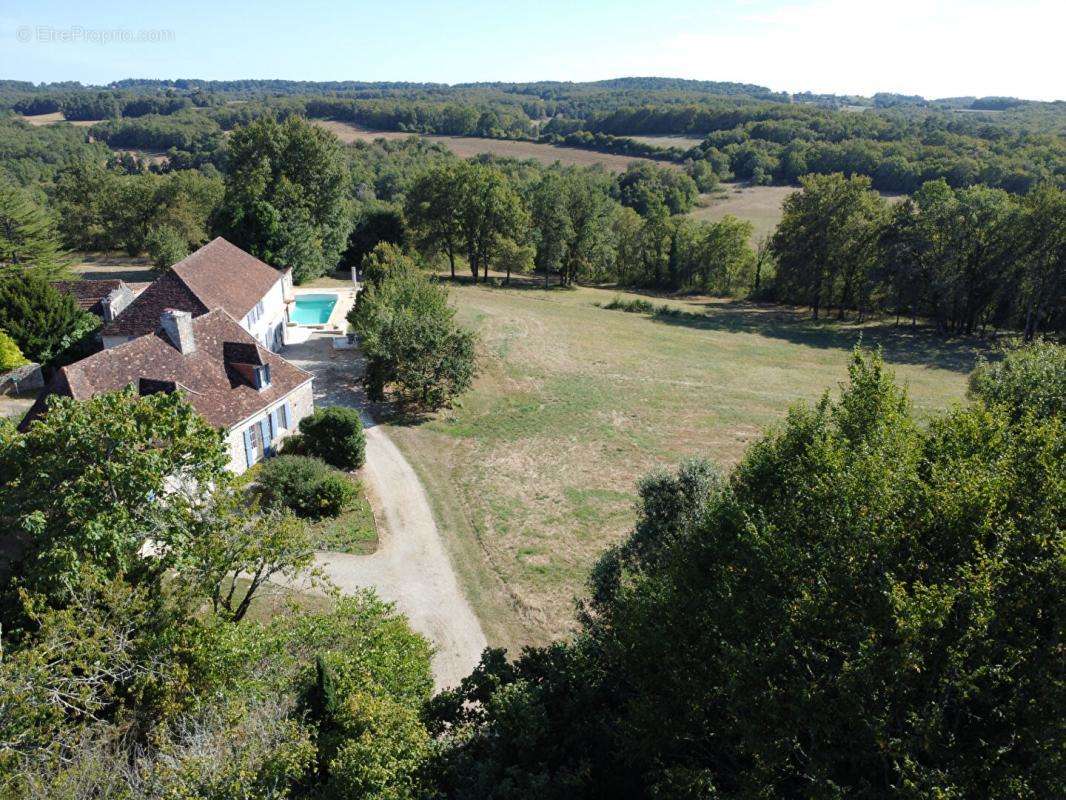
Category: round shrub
[306,486]
[336,436]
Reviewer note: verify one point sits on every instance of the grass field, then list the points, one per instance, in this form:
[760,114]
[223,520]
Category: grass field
[759,205]
[108,266]
[469,146]
[533,473]
[684,142]
[55,117]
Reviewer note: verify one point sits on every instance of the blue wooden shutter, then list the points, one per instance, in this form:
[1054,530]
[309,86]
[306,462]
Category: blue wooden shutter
[274,424]
[286,415]
[264,434]
[249,453]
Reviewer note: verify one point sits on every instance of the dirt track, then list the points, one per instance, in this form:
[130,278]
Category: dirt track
[411,567]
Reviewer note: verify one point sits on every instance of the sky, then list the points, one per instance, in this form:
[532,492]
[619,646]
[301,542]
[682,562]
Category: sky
[935,48]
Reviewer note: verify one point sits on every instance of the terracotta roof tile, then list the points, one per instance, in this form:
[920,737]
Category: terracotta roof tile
[218,275]
[214,388]
[142,315]
[88,294]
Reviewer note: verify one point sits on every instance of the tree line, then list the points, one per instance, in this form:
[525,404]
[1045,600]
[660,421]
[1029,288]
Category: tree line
[747,132]
[968,259]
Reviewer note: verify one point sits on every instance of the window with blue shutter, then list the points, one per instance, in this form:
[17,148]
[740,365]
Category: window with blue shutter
[264,435]
[249,451]
[274,430]
[286,415]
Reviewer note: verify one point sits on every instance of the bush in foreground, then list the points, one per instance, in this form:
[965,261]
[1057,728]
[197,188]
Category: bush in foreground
[46,324]
[308,487]
[10,355]
[1028,378]
[335,435]
[866,608]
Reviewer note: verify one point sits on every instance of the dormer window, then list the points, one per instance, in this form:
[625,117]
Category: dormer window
[261,376]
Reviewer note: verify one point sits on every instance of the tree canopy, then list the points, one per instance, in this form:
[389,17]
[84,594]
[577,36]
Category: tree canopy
[413,346]
[46,324]
[286,195]
[864,607]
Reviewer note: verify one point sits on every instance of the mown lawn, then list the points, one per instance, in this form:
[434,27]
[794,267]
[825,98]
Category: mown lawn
[533,473]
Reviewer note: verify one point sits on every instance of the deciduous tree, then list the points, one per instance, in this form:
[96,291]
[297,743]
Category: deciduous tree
[285,197]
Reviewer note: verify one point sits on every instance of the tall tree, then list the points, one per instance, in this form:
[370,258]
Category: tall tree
[46,324]
[490,211]
[551,224]
[286,195]
[1042,295]
[408,331]
[28,237]
[432,211]
[826,240]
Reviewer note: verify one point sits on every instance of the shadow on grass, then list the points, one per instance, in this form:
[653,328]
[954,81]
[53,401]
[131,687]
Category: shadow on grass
[902,344]
[129,275]
[499,281]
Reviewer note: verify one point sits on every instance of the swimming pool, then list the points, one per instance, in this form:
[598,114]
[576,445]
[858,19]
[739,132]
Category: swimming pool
[313,309]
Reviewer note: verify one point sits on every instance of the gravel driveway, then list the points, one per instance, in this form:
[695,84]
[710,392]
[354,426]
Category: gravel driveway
[410,567]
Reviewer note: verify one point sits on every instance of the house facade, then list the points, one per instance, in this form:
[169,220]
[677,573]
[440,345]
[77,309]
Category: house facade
[218,275]
[233,380]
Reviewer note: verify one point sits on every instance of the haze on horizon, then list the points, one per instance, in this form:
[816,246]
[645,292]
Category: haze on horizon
[935,48]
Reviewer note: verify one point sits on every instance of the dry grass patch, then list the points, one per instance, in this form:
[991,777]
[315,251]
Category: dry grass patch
[148,156]
[759,205]
[470,146]
[109,266]
[684,142]
[532,475]
[56,117]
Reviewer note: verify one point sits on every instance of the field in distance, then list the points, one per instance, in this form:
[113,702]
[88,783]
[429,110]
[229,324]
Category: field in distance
[57,117]
[684,142]
[759,205]
[469,146]
[533,473]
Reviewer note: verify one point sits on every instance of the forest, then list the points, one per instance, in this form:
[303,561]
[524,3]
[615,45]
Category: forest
[747,132]
[971,258]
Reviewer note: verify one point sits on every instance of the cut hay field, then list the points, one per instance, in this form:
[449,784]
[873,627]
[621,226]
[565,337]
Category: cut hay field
[57,117]
[684,142]
[470,146]
[532,475]
[759,205]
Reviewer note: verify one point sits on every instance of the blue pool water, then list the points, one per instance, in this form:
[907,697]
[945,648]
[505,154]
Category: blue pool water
[313,309]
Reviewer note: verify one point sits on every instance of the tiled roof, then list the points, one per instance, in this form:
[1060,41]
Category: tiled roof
[218,275]
[214,388]
[142,315]
[88,294]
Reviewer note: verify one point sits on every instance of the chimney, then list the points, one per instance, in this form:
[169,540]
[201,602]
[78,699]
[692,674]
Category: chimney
[116,301]
[177,325]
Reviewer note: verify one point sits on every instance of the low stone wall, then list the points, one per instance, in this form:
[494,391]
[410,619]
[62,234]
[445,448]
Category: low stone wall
[22,380]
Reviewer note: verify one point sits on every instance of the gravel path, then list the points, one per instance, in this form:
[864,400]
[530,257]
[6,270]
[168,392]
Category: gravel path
[410,567]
